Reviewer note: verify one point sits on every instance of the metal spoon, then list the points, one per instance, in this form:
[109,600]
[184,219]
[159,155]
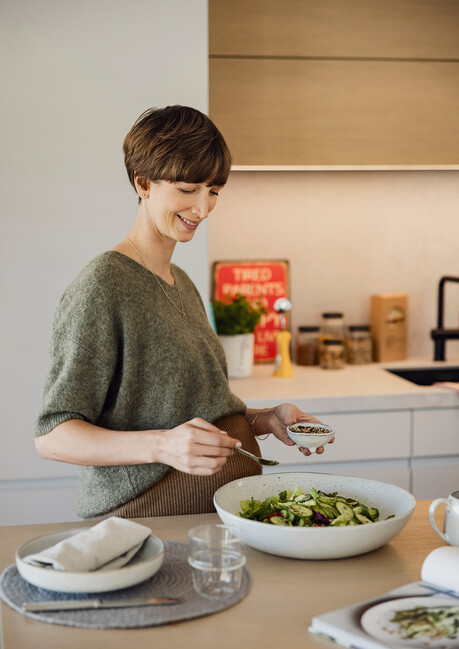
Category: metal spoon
[260,460]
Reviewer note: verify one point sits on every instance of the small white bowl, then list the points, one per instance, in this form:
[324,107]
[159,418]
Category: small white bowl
[310,435]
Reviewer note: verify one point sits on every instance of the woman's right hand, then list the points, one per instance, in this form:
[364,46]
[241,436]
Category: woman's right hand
[196,447]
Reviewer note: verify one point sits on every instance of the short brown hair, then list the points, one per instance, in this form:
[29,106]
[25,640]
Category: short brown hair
[177,144]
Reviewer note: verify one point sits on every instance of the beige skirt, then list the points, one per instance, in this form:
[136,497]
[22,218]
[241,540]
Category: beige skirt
[181,493]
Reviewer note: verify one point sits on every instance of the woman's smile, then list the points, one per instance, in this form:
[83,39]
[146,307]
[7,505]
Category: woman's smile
[190,225]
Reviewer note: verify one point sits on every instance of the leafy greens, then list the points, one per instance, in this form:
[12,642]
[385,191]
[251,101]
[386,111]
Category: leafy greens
[293,507]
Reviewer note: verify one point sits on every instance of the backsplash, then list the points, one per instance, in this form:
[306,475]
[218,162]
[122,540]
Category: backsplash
[348,235]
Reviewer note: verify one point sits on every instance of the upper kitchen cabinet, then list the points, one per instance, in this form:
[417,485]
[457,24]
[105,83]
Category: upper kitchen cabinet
[336,82]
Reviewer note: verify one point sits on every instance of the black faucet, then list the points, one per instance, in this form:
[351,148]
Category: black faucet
[441,335]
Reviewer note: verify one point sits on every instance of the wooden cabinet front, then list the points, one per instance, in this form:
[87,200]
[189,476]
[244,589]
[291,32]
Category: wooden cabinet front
[336,83]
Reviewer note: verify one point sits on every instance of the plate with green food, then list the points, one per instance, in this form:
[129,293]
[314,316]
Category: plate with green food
[314,515]
[418,622]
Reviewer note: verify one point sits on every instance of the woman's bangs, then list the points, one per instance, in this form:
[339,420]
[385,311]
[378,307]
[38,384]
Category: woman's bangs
[212,168]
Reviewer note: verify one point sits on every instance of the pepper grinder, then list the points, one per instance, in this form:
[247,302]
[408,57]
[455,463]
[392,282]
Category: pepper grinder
[283,366]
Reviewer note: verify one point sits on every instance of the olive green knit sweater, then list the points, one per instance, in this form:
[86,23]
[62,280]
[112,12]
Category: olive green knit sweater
[122,357]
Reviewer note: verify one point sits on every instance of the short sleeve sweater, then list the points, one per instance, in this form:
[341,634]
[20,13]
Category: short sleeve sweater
[124,358]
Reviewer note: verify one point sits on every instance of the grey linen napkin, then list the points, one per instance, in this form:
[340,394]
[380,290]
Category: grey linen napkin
[106,546]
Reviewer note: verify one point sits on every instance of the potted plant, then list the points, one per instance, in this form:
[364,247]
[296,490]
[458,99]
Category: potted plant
[235,321]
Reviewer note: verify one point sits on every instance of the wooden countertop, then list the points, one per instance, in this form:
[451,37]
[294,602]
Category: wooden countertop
[285,595]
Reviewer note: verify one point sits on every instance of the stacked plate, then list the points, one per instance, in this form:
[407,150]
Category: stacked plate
[143,565]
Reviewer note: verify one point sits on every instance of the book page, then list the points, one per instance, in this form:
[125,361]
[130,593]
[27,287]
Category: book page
[441,569]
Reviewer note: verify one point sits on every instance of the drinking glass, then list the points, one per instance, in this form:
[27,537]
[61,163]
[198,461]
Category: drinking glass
[216,559]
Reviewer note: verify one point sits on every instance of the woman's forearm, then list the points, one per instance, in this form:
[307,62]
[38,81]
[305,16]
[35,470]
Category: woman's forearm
[196,446]
[78,442]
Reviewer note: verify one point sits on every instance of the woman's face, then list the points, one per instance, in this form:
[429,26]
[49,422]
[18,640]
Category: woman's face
[175,209]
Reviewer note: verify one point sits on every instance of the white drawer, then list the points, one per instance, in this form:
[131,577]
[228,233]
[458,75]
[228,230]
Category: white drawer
[436,432]
[359,436]
[435,478]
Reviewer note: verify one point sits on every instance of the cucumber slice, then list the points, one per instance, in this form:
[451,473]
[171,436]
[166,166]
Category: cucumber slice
[364,511]
[329,500]
[285,505]
[339,522]
[374,513]
[279,520]
[288,514]
[301,510]
[329,511]
[345,511]
[363,519]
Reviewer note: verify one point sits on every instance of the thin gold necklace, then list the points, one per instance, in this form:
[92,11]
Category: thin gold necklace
[180,310]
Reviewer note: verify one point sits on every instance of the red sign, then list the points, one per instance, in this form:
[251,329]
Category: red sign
[263,281]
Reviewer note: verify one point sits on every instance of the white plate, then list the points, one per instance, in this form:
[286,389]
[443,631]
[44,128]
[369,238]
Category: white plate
[377,622]
[142,566]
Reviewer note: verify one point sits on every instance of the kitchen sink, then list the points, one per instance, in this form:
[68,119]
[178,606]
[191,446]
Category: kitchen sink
[426,375]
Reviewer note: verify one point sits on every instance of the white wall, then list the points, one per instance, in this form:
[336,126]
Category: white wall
[349,234]
[75,76]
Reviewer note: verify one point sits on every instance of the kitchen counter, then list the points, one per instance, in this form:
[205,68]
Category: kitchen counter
[387,428]
[354,388]
[285,594]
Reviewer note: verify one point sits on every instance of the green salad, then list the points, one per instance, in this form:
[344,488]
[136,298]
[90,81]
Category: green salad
[434,622]
[293,507]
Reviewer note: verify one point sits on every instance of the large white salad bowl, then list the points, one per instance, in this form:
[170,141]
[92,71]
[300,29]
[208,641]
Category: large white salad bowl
[316,542]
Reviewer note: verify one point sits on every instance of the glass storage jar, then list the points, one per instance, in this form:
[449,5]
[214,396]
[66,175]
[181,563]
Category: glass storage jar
[307,346]
[359,345]
[332,354]
[332,326]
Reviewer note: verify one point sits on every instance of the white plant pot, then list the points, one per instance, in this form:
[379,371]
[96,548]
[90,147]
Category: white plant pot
[239,354]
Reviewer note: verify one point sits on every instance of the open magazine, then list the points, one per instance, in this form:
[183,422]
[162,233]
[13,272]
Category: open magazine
[423,614]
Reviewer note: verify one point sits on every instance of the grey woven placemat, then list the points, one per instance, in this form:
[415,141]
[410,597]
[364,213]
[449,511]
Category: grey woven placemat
[172,580]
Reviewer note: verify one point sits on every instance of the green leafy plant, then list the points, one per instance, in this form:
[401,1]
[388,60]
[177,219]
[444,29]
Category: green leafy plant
[239,316]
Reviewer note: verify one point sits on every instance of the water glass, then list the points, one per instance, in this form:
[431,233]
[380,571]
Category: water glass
[216,559]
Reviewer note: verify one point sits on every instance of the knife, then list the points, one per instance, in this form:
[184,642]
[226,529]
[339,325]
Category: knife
[71,604]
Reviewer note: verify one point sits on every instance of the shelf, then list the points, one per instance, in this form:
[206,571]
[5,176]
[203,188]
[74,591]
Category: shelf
[345,168]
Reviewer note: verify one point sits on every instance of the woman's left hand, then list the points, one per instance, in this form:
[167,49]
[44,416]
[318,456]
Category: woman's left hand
[275,421]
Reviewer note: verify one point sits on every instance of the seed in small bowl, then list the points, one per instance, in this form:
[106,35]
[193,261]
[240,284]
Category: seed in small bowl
[308,430]
[309,435]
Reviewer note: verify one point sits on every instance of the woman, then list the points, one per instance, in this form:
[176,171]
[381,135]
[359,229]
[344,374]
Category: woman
[137,392]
